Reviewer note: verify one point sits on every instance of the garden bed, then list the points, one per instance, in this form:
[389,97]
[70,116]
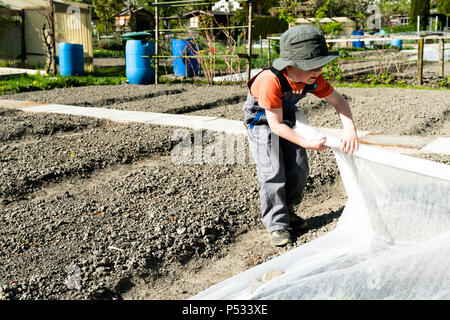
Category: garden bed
[93,209]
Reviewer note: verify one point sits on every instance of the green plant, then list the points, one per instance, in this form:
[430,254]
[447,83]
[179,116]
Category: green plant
[321,11]
[343,54]
[401,28]
[6,63]
[287,13]
[445,82]
[380,78]
[332,28]
[110,44]
[275,45]
[102,53]
[387,77]
[443,6]
[332,71]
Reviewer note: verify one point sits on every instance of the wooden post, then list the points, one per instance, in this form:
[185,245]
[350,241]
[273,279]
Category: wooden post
[52,35]
[156,41]
[260,45]
[269,58]
[420,61]
[249,42]
[23,56]
[441,56]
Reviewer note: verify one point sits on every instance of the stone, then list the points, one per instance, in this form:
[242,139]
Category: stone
[266,277]
[181,230]
[269,275]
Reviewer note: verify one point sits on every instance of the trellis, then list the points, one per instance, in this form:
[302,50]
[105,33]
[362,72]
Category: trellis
[157,55]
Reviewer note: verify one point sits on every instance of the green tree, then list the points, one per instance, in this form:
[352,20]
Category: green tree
[105,10]
[330,28]
[287,12]
[443,6]
[261,7]
[390,7]
[322,11]
[419,8]
[341,8]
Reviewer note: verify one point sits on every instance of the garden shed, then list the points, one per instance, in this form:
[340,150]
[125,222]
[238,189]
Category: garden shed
[131,20]
[348,24]
[21,35]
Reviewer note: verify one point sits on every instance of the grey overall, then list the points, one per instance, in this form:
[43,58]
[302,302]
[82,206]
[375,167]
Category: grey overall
[282,166]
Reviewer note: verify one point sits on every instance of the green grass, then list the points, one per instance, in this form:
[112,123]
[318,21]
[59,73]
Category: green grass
[102,53]
[27,82]
[109,71]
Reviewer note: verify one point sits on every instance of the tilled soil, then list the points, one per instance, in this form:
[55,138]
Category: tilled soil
[92,209]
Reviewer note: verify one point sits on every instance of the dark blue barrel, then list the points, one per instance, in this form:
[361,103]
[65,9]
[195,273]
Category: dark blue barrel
[358,44]
[71,59]
[185,67]
[397,43]
[138,64]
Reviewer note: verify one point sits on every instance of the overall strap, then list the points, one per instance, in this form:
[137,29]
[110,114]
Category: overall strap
[310,87]
[285,86]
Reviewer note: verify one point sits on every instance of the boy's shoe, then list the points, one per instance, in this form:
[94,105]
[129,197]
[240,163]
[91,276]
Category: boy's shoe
[295,222]
[280,238]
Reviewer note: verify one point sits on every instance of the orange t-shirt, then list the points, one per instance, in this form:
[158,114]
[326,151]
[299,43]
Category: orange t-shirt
[266,89]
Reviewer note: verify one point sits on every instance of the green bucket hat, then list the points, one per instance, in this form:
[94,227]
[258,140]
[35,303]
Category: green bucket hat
[305,48]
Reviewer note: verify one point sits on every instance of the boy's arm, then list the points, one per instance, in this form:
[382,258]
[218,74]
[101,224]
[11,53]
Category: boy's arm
[349,142]
[276,124]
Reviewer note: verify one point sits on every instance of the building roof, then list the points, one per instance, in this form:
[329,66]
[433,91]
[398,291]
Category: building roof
[342,19]
[126,12]
[29,4]
[225,7]
[195,13]
[324,20]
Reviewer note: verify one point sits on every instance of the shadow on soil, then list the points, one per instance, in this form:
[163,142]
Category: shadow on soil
[315,223]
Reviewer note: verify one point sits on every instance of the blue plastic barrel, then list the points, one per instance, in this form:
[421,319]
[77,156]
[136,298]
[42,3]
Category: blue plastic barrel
[138,66]
[397,43]
[185,67]
[358,44]
[71,59]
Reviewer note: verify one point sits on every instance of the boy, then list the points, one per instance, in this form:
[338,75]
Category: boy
[269,112]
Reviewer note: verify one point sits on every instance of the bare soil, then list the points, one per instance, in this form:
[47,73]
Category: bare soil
[91,209]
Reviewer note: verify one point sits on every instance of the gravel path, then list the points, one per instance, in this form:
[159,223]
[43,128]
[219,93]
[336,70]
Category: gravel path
[91,209]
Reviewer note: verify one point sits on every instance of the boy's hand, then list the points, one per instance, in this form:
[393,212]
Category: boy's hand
[317,145]
[349,142]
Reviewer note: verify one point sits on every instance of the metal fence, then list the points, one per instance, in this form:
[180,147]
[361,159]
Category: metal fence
[11,34]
